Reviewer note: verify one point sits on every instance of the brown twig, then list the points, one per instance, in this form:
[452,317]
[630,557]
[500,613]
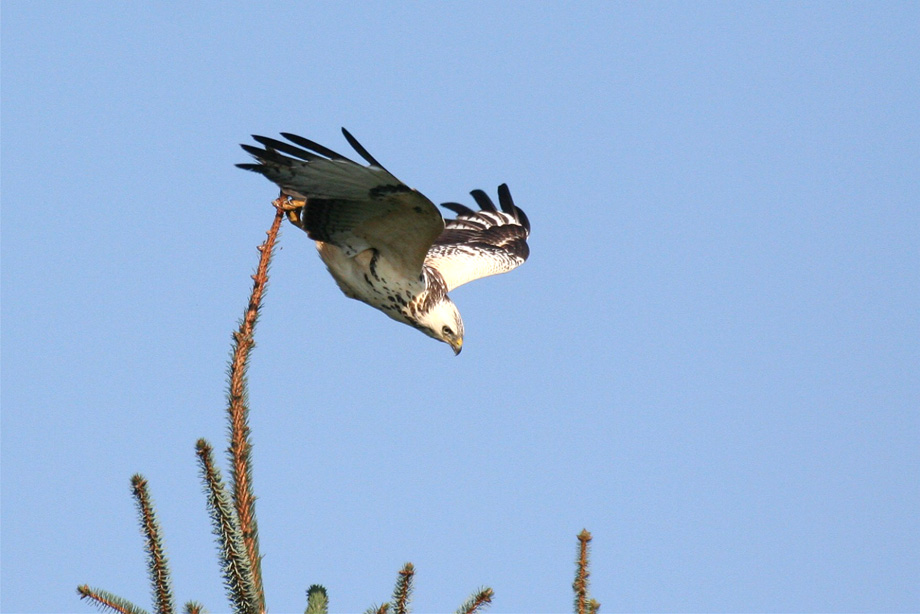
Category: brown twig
[477,602]
[107,601]
[237,410]
[403,591]
[582,604]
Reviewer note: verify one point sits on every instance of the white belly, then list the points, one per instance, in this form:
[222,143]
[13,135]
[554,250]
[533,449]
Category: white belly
[372,280]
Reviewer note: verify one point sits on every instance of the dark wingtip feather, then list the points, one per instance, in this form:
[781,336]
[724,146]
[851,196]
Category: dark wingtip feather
[508,206]
[458,208]
[314,146]
[252,150]
[522,218]
[504,199]
[360,149]
[287,148]
[267,155]
[482,199]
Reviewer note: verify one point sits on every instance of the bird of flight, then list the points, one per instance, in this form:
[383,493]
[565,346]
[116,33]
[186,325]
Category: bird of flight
[386,244]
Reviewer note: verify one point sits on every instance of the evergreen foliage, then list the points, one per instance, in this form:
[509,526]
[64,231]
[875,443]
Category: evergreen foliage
[317,600]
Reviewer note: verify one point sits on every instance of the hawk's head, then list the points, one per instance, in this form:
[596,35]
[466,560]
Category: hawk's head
[443,322]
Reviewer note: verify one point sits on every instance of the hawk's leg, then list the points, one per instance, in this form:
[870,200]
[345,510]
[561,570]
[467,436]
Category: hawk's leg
[292,207]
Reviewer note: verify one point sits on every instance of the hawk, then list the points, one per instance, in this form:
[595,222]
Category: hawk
[386,244]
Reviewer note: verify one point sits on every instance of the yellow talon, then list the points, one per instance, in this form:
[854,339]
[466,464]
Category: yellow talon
[292,207]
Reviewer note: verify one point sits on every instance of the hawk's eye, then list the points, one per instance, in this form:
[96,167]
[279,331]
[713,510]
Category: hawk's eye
[446,331]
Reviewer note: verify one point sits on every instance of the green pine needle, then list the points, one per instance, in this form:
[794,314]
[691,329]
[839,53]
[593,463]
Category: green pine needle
[107,602]
[157,565]
[403,592]
[317,600]
[477,602]
[237,568]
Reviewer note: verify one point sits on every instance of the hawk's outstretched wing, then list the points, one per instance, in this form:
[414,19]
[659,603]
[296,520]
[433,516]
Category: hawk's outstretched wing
[352,206]
[481,243]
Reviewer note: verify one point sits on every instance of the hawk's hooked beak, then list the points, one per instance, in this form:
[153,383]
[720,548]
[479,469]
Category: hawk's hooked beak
[457,344]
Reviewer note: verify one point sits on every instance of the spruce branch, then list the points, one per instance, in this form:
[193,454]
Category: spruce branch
[383,608]
[235,562]
[107,602]
[317,600]
[403,592]
[477,602]
[193,607]
[583,604]
[240,451]
[157,565]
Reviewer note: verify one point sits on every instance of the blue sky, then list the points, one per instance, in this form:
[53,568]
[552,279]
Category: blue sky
[710,360]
